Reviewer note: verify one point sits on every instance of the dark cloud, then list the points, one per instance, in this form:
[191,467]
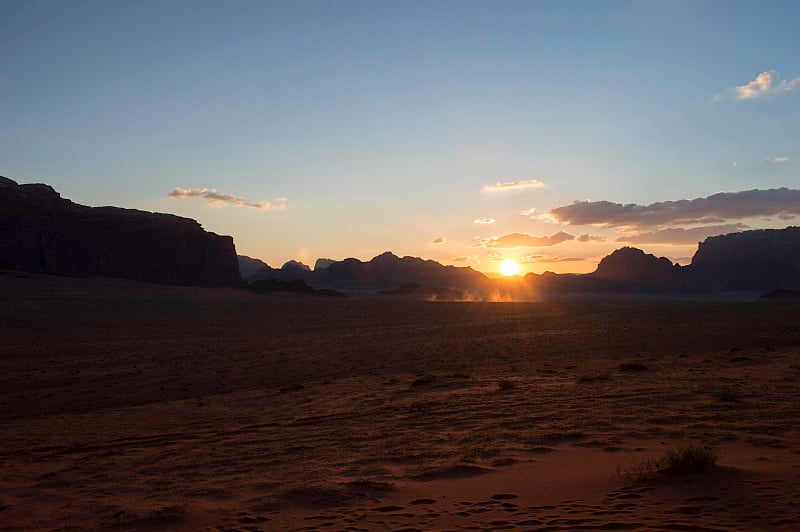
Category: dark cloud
[590,238]
[716,208]
[679,235]
[523,240]
[440,240]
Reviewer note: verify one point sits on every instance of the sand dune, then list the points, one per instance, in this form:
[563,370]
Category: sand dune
[137,407]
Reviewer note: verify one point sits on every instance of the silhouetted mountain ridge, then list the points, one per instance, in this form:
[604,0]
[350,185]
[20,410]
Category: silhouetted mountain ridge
[42,232]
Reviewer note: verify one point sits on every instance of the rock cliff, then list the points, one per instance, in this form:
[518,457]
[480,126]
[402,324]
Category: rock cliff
[766,259]
[42,232]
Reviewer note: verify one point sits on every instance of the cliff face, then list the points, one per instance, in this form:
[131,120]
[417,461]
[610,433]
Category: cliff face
[766,259]
[41,232]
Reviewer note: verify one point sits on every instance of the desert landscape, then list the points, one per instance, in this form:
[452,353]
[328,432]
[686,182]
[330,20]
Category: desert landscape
[133,406]
[399,266]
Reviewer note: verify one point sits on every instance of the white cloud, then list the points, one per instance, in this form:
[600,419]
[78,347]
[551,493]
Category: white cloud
[513,185]
[216,199]
[484,221]
[764,84]
[777,160]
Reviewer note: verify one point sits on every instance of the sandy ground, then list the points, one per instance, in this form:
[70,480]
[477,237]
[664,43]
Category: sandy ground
[131,406]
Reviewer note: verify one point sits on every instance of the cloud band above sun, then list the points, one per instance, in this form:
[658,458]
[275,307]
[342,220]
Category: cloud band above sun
[513,185]
[717,208]
[216,199]
[522,240]
[680,235]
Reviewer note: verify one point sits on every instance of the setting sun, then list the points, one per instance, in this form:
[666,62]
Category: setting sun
[510,267]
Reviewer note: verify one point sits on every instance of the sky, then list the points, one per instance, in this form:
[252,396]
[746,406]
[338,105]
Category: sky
[466,132]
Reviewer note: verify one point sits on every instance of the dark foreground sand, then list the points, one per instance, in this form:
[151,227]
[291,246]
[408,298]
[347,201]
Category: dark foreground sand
[131,406]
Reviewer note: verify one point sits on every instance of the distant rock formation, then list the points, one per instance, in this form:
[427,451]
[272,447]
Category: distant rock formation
[387,271]
[321,264]
[384,272]
[293,264]
[248,266]
[759,260]
[634,265]
[780,294]
[42,232]
[766,259]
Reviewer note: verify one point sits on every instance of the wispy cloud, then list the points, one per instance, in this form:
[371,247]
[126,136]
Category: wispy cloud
[533,259]
[465,258]
[713,209]
[440,240]
[513,185]
[680,235]
[777,160]
[522,240]
[590,238]
[484,221]
[765,84]
[216,199]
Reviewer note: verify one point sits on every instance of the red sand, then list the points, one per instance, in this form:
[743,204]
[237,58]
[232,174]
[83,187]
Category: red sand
[138,407]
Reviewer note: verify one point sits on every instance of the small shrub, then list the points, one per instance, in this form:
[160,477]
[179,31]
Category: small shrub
[689,459]
[631,366]
[686,459]
[505,385]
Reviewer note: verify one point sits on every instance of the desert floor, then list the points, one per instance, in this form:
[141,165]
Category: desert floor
[132,406]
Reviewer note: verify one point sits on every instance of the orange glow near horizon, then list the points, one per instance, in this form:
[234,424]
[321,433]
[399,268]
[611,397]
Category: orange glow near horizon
[510,267]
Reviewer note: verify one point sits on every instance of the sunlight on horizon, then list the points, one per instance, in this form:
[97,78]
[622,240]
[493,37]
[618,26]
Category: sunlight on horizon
[510,267]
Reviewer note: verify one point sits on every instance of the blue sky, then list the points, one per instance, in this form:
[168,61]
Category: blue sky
[383,123]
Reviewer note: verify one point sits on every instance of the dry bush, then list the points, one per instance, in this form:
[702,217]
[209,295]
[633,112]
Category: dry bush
[685,459]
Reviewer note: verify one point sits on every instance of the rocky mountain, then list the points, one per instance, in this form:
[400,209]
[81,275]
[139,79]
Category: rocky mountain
[388,271]
[766,259]
[42,232]
[248,266]
[321,264]
[759,260]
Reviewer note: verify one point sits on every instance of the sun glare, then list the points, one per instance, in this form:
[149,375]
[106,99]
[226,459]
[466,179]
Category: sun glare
[509,267]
